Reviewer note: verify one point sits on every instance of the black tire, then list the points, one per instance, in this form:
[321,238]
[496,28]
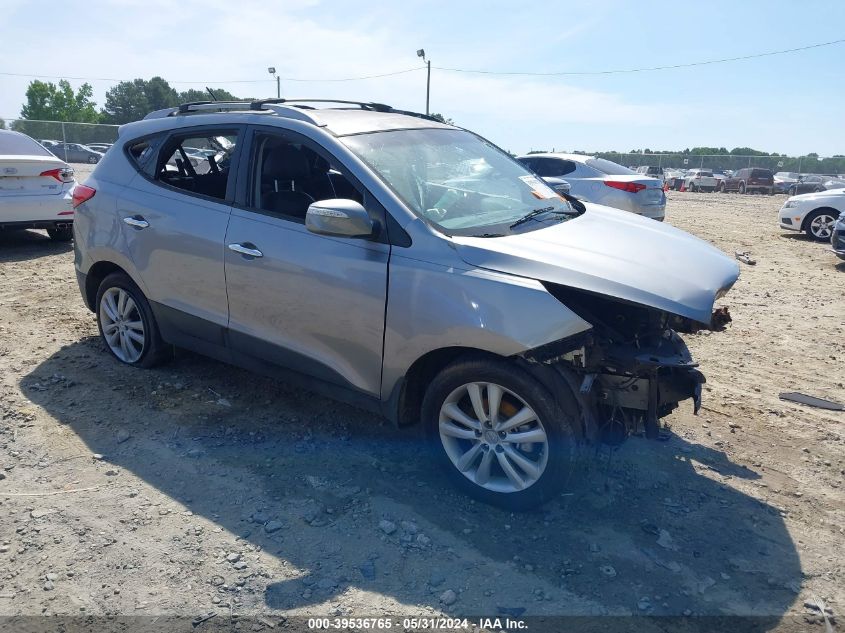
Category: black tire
[61,233]
[154,348]
[830,217]
[559,418]
[791,191]
[722,188]
[741,187]
[93,160]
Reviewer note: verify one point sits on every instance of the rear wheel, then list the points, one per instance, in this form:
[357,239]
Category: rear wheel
[126,322]
[722,187]
[61,233]
[499,434]
[819,225]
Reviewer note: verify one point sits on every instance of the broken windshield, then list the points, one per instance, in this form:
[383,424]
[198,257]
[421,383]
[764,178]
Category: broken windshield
[457,181]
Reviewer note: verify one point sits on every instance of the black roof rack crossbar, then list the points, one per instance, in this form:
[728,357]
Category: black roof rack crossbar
[364,105]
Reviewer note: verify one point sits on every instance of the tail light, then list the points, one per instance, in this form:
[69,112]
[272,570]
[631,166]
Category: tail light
[82,193]
[630,187]
[62,174]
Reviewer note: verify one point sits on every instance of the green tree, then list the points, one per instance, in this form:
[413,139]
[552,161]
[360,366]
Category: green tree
[189,96]
[51,102]
[133,100]
[442,119]
[2,124]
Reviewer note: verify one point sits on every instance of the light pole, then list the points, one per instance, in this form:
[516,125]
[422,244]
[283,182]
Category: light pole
[272,71]
[421,53]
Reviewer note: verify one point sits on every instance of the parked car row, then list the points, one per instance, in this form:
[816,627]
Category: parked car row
[746,180]
[793,183]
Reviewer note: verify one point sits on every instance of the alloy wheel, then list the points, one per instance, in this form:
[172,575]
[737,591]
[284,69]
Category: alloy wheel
[822,226]
[122,325]
[493,437]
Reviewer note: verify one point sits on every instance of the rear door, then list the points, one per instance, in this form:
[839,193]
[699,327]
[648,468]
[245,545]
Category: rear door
[174,221]
[307,302]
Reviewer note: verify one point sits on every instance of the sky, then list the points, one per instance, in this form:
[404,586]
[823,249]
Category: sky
[792,103]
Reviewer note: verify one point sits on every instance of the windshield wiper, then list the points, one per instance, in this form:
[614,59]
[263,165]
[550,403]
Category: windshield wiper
[533,214]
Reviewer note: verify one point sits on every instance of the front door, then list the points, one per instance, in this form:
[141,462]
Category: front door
[306,302]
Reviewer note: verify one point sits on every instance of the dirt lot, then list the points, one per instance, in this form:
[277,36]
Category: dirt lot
[198,487]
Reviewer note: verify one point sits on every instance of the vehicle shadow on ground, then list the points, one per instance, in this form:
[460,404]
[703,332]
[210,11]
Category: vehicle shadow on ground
[661,529]
[18,246]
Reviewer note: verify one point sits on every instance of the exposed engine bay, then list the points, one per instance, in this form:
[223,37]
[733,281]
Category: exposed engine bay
[631,369]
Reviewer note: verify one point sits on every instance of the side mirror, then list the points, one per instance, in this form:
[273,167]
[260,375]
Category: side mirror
[339,217]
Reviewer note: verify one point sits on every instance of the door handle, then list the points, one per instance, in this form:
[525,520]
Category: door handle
[137,221]
[247,248]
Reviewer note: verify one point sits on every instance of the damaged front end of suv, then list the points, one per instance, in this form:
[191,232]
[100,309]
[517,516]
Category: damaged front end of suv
[636,286]
[631,369]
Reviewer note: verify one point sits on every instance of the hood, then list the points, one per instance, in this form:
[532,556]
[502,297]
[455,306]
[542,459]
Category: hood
[819,194]
[616,254]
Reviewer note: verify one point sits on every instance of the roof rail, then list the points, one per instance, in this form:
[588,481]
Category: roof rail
[290,108]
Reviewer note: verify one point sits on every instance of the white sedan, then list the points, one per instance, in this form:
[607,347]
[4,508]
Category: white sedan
[602,182]
[813,213]
[36,187]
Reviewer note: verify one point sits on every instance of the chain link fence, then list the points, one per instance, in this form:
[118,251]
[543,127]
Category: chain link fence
[63,138]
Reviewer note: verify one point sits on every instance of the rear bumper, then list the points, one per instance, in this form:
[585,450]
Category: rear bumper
[35,224]
[763,188]
[40,208]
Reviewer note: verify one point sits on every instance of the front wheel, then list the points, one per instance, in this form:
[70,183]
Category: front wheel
[819,225]
[499,434]
[742,187]
[126,322]
[722,188]
[92,159]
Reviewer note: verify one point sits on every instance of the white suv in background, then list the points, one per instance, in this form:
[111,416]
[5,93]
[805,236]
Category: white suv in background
[700,180]
[36,187]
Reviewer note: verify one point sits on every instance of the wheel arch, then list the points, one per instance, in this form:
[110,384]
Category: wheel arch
[405,402]
[809,214]
[95,276]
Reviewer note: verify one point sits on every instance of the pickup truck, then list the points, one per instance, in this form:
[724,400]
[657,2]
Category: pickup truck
[700,180]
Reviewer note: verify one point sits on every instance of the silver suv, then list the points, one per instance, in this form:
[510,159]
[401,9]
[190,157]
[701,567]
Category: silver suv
[403,265]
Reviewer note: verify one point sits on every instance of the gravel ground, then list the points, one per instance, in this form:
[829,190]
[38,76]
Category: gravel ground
[198,487]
